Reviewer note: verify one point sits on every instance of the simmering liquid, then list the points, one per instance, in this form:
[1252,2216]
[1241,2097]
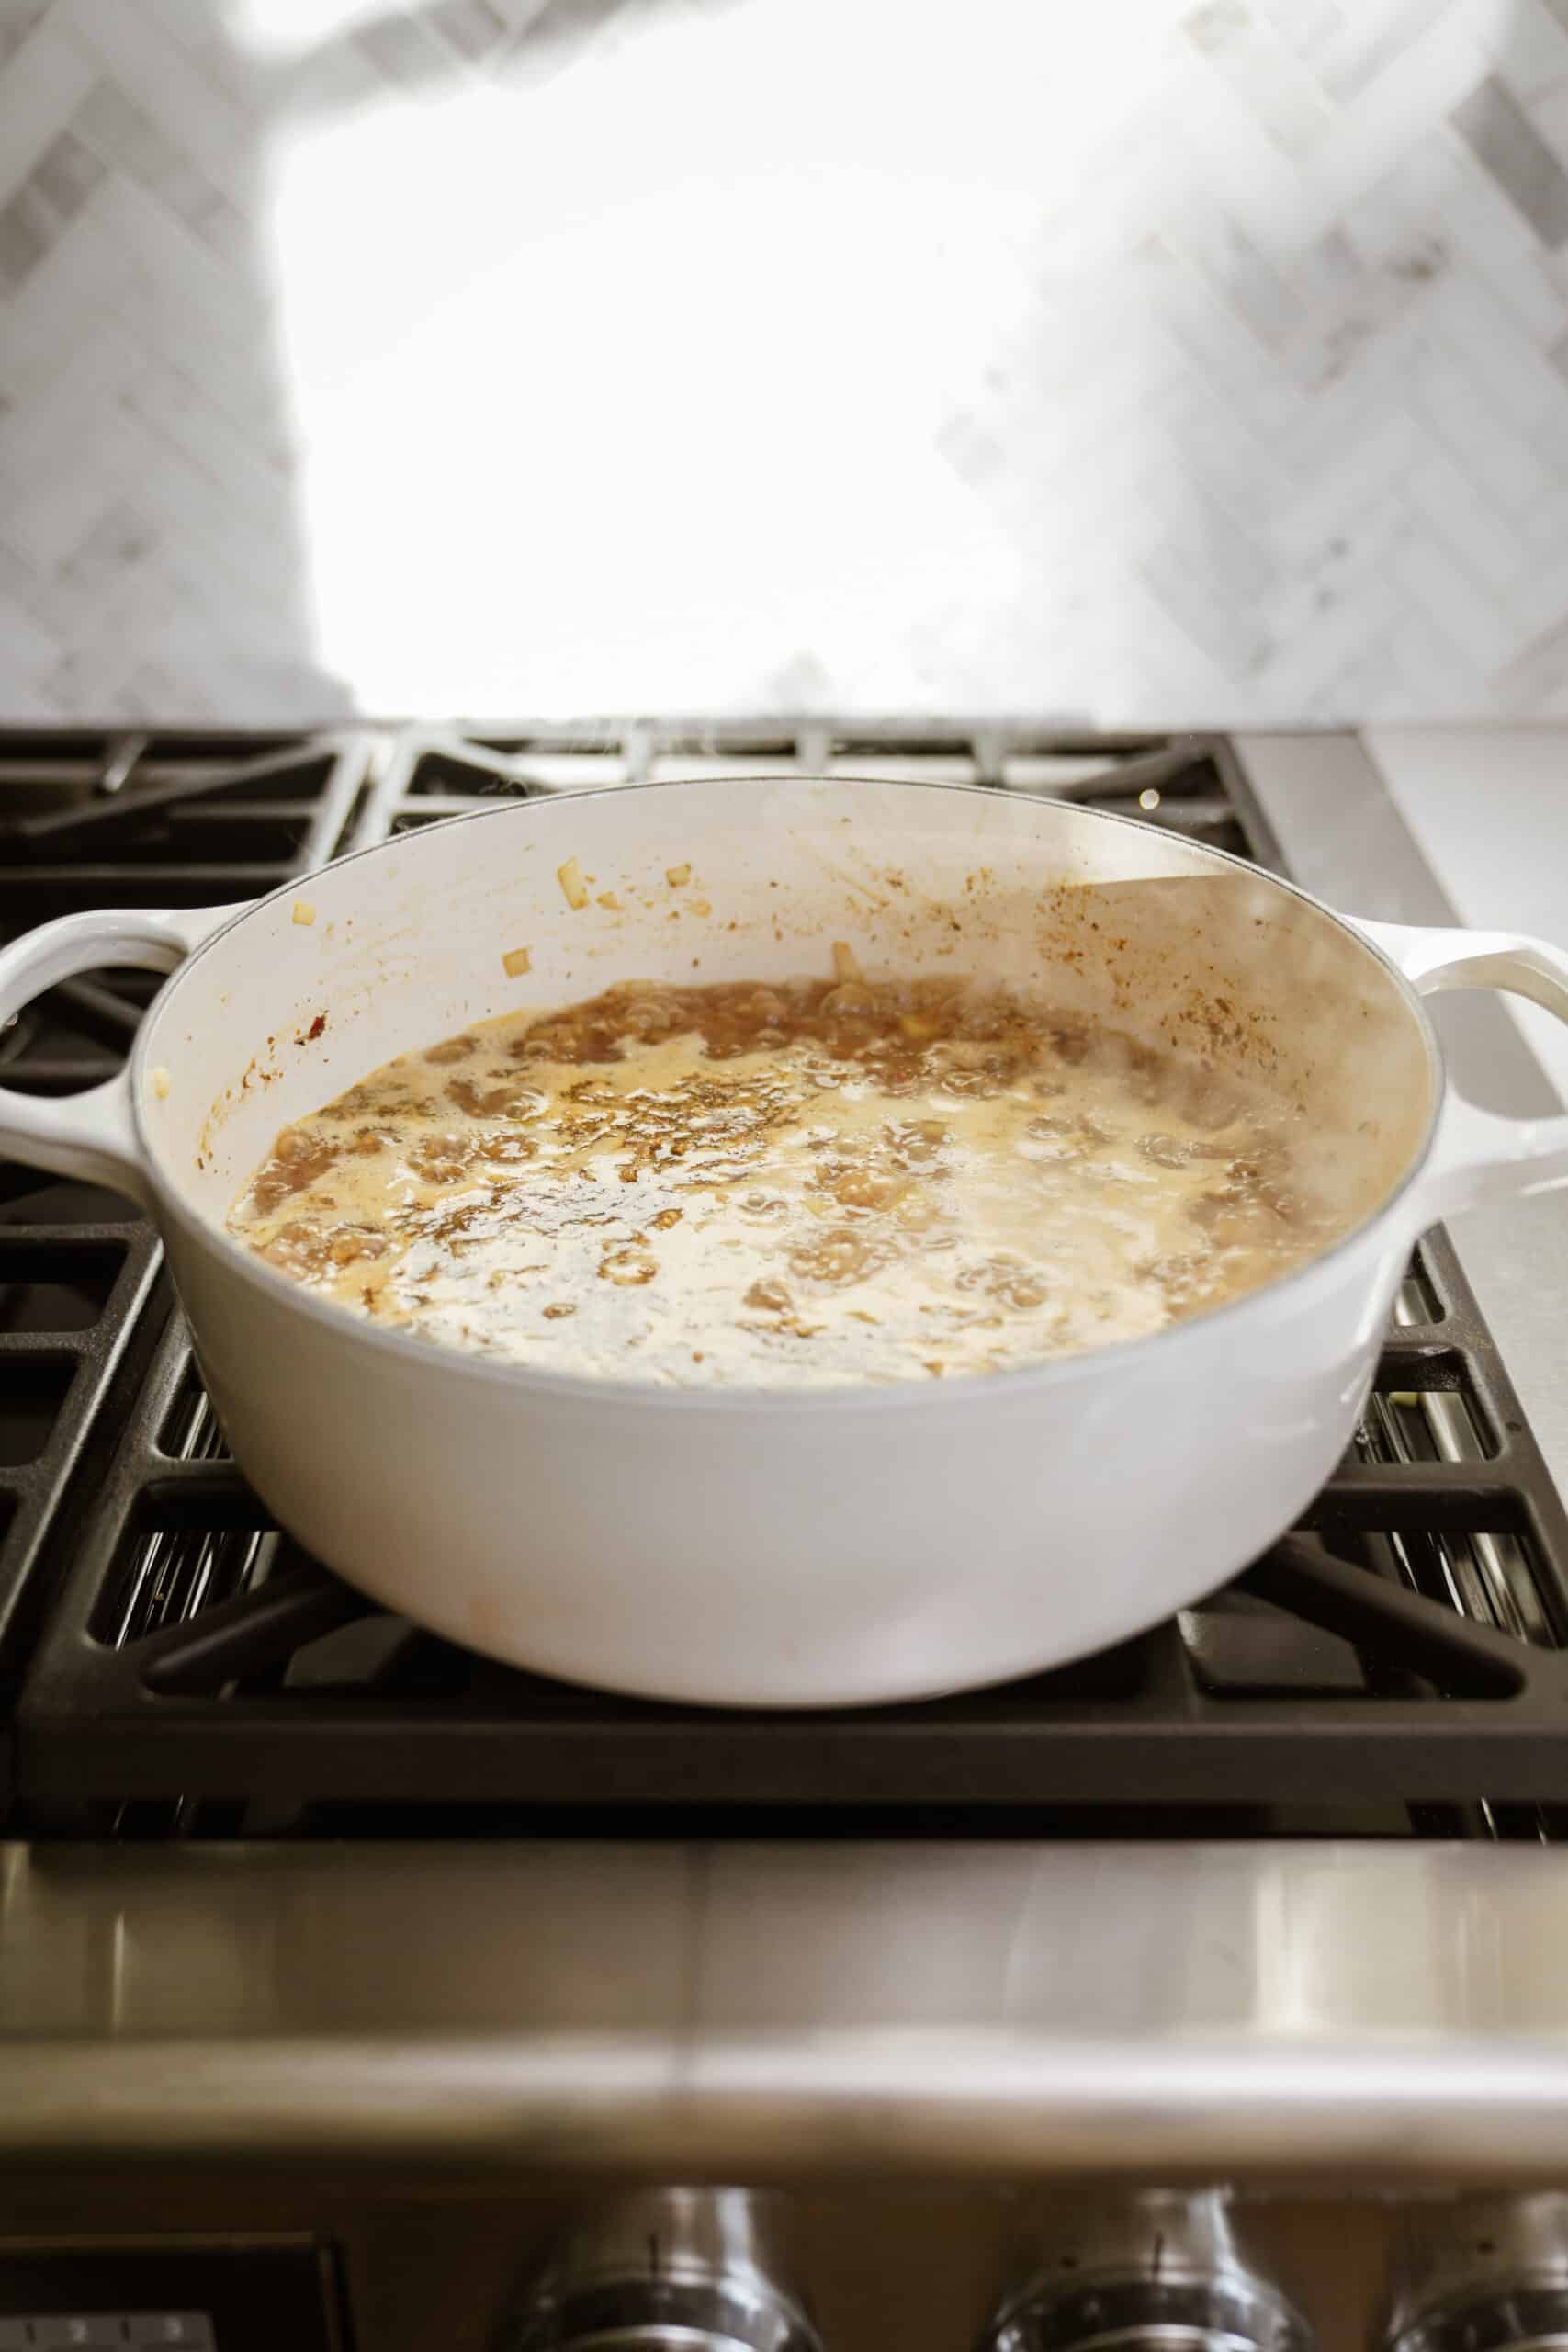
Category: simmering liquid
[818,1182]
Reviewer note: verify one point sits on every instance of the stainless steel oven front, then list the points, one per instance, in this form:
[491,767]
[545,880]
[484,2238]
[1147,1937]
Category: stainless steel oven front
[784,2097]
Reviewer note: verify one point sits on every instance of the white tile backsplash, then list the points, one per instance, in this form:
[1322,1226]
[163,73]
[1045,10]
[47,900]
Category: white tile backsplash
[1172,360]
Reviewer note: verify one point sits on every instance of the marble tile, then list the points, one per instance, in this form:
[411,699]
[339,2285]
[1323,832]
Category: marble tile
[1369,43]
[1439,582]
[17,20]
[411,51]
[1535,678]
[34,652]
[1533,57]
[1504,141]
[1433,674]
[1250,56]
[43,83]
[1214,367]
[128,43]
[1458,513]
[473,27]
[1538,594]
[1447,401]
[121,134]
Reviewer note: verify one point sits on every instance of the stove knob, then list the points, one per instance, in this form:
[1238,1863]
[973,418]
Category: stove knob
[1481,2277]
[1152,2273]
[671,2270]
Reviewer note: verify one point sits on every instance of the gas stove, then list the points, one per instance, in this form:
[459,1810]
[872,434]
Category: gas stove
[357,1988]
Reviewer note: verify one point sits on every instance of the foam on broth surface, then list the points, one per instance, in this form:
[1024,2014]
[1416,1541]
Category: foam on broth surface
[813,1183]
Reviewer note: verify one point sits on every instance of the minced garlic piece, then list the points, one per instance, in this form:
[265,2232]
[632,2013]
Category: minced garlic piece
[608,899]
[844,965]
[677,876]
[574,889]
[161,1081]
[304,912]
[516,961]
[699,907]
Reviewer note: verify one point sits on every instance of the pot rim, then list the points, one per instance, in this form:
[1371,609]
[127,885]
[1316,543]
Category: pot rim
[891,1397]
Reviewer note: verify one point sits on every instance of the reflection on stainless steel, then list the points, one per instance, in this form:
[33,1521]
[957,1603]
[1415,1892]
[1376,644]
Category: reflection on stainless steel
[1481,2274]
[688,2267]
[1318,2011]
[1159,2267]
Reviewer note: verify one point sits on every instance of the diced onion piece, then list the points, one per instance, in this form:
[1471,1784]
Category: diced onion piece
[608,899]
[304,912]
[844,965]
[677,876]
[574,889]
[516,961]
[161,1081]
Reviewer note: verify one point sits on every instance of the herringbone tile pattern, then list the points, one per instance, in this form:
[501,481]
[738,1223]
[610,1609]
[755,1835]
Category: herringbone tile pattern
[1259,411]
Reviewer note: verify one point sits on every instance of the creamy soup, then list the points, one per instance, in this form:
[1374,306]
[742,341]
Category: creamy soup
[809,1183]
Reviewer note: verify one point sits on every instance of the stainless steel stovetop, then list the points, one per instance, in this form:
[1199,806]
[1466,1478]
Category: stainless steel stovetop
[348,1988]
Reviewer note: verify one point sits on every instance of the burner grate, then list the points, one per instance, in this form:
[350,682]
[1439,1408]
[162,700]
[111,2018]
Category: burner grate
[195,1652]
[94,820]
[178,822]
[1190,782]
[76,1271]
[1400,1662]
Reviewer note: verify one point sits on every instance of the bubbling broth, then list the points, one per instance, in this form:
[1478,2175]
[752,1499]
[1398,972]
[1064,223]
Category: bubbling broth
[803,1183]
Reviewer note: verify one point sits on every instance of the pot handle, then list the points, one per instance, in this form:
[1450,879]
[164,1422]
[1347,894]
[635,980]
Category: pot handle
[1477,1155]
[90,1136]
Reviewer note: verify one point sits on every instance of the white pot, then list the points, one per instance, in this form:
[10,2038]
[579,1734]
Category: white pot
[778,1547]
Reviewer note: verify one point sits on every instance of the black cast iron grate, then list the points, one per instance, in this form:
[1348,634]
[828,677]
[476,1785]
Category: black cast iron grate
[88,821]
[1400,1661]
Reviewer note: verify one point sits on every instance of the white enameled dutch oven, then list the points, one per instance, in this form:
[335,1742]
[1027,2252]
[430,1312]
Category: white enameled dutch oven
[778,1547]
